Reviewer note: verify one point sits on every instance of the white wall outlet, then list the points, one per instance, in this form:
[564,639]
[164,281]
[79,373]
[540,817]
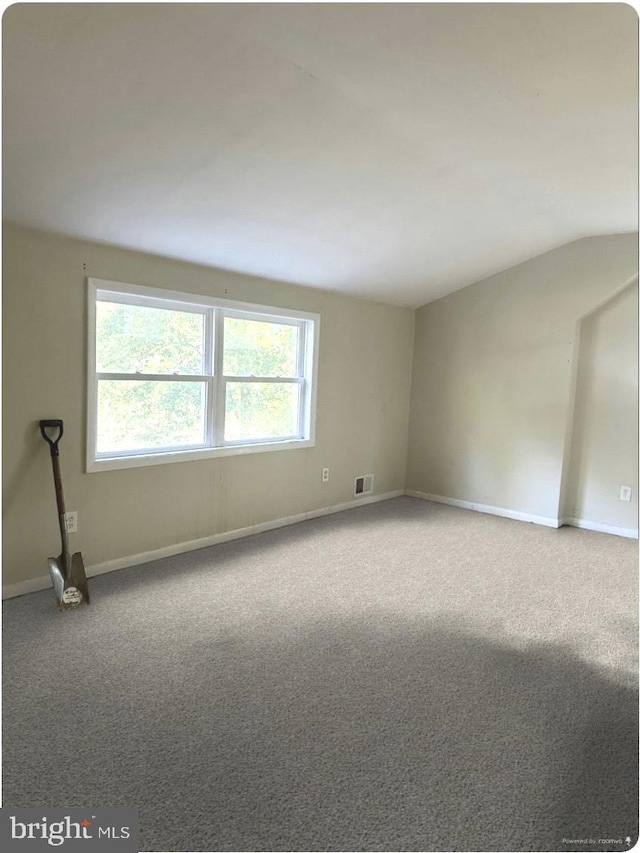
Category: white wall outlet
[71,521]
[325,475]
[625,493]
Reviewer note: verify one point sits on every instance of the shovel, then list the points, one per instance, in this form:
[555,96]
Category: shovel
[67,571]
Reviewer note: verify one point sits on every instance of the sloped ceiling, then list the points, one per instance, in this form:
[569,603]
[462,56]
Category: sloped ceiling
[390,151]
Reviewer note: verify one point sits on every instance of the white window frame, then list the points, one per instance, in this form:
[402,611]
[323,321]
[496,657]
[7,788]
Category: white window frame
[214,311]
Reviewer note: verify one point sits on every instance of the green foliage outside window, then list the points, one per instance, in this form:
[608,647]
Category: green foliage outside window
[254,348]
[142,414]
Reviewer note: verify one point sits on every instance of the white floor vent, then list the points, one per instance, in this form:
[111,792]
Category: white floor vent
[363,485]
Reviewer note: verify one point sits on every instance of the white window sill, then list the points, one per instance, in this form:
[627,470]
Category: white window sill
[162,458]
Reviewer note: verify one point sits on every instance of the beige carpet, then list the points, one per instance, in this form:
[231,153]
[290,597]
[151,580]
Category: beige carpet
[403,676]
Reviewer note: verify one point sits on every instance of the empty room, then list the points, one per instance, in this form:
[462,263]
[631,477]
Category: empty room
[320,427]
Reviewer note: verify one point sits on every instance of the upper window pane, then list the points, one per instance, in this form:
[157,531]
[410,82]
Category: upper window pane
[259,348]
[140,339]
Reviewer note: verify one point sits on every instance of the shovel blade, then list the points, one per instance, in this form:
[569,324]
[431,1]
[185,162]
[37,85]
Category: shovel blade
[69,581]
[79,577]
[57,579]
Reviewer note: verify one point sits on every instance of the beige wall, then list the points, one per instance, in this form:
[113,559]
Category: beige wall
[489,422]
[492,378]
[363,404]
[604,447]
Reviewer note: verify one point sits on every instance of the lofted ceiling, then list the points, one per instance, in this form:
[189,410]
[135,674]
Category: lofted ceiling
[391,151]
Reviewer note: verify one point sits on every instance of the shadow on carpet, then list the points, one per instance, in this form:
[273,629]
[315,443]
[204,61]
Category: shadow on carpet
[330,735]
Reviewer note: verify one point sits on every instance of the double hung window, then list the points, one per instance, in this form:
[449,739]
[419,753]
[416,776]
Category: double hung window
[174,376]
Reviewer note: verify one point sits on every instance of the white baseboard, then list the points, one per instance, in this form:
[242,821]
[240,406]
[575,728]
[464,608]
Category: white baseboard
[628,532]
[490,510]
[25,587]
[585,524]
[44,581]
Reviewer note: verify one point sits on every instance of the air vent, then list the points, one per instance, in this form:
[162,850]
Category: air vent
[363,485]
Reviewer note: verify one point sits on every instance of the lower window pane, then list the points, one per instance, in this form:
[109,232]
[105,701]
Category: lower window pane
[138,415]
[261,410]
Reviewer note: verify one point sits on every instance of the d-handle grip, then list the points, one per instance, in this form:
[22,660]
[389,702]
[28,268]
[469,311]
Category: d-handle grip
[52,442]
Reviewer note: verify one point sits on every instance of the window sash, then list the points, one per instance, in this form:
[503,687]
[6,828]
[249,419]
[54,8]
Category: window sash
[257,318]
[155,377]
[215,387]
[297,434]
[215,313]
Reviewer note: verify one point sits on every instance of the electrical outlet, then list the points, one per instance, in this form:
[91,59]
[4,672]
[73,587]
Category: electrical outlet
[325,475]
[625,493]
[71,521]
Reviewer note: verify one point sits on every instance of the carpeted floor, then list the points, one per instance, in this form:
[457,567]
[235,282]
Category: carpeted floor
[402,676]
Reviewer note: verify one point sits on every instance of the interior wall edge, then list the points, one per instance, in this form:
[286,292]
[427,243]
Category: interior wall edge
[565,509]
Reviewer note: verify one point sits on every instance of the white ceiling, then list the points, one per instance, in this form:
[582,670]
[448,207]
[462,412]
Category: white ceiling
[391,151]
